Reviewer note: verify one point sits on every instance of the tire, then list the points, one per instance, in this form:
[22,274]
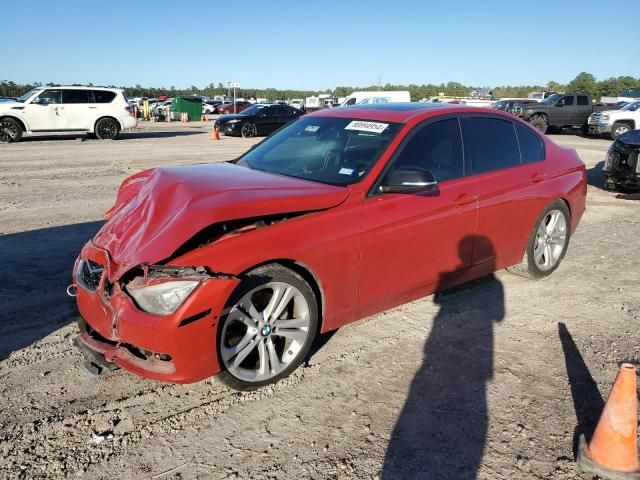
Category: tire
[270,349]
[540,123]
[107,129]
[10,130]
[248,130]
[619,128]
[535,264]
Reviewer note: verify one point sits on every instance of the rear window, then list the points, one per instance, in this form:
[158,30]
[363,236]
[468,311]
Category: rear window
[491,142]
[531,145]
[103,96]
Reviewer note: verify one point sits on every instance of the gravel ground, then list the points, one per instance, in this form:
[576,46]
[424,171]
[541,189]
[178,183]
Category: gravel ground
[494,379]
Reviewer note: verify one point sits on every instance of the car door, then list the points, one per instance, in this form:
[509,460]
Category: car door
[45,113]
[564,111]
[410,242]
[582,110]
[507,161]
[79,108]
[267,120]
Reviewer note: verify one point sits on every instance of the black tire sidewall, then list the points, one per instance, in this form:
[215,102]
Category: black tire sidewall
[248,124]
[531,263]
[256,278]
[104,120]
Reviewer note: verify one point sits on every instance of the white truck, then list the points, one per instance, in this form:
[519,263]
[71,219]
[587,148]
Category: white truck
[363,98]
[615,122]
[628,95]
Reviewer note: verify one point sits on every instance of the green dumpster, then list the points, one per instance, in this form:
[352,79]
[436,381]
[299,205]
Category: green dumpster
[192,106]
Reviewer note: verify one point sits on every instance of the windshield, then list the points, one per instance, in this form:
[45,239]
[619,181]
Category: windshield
[552,98]
[252,110]
[337,151]
[28,95]
[631,107]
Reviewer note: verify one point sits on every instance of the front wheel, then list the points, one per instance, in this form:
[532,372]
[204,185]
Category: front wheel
[268,327]
[547,243]
[540,123]
[618,129]
[248,130]
[10,130]
[107,129]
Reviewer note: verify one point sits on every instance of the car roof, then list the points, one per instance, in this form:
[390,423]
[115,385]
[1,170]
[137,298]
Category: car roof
[394,112]
[81,87]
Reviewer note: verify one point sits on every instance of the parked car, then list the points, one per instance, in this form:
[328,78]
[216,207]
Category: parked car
[516,106]
[224,108]
[94,110]
[622,164]
[209,106]
[235,267]
[257,120]
[615,122]
[376,97]
[560,111]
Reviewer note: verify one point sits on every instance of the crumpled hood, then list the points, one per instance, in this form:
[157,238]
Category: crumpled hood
[159,209]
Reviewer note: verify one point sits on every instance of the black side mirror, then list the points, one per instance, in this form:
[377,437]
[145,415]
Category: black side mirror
[410,181]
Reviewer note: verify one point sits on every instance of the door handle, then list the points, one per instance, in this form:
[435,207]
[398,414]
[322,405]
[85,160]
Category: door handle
[537,177]
[465,199]
[92,108]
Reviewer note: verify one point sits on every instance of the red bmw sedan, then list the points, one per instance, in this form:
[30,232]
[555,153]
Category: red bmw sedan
[234,268]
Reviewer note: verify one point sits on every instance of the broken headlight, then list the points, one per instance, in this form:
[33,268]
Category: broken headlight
[610,161]
[161,298]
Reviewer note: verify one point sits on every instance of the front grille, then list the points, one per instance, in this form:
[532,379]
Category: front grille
[594,119]
[89,274]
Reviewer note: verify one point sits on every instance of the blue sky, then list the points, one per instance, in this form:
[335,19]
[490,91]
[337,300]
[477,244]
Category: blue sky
[316,45]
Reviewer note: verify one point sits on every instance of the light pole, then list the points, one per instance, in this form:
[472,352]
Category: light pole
[234,85]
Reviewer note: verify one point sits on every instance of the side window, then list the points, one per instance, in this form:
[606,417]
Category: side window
[583,100]
[437,148]
[269,111]
[491,143]
[351,101]
[50,96]
[531,145]
[103,96]
[568,100]
[75,96]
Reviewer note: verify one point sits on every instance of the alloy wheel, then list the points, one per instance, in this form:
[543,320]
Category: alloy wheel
[620,130]
[248,130]
[107,129]
[8,131]
[265,332]
[551,239]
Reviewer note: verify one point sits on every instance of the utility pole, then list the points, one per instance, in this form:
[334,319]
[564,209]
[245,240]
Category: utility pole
[234,85]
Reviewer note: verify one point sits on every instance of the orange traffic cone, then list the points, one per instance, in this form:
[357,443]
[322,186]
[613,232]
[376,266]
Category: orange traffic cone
[215,133]
[613,450]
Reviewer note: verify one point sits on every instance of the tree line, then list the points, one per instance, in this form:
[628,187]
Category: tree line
[583,83]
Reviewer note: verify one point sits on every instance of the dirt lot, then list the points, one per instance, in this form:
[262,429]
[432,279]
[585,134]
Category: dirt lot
[493,380]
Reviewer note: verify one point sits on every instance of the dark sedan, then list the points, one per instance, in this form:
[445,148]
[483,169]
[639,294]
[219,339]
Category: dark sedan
[257,120]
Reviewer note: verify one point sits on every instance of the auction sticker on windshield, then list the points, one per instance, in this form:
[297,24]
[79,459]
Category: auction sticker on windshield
[362,126]
[312,128]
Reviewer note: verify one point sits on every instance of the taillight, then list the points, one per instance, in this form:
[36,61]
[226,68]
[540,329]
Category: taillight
[130,110]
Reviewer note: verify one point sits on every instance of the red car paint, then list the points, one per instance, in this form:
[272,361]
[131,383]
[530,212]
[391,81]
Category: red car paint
[346,240]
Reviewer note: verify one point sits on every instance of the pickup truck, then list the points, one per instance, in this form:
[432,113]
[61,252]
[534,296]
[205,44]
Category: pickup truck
[561,110]
[615,122]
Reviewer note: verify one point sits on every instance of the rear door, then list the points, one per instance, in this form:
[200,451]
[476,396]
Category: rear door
[582,110]
[410,242]
[46,112]
[79,108]
[507,159]
[268,120]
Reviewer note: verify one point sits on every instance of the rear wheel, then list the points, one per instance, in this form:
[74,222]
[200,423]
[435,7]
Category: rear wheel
[107,129]
[10,130]
[248,130]
[540,123]
[618,129]
[269,325]
[547,244]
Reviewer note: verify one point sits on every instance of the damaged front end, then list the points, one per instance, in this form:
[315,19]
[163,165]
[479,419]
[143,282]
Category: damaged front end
[622,165]
[149,321]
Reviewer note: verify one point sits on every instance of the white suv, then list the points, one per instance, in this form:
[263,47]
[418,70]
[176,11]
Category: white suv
[103,112]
